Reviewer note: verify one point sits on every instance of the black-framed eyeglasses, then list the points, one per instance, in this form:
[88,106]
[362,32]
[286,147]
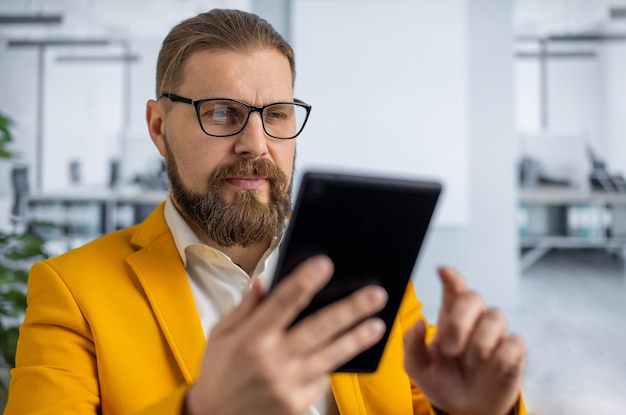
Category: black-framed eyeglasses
[225,117]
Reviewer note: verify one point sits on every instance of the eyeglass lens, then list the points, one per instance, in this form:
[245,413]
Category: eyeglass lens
[223,118]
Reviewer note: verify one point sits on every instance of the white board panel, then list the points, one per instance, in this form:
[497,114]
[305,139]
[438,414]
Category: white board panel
[388,83]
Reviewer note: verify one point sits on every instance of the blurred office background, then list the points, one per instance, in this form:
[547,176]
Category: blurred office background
[515,105]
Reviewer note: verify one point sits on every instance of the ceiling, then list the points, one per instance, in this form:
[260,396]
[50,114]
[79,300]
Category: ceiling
[542,17]
[96,18]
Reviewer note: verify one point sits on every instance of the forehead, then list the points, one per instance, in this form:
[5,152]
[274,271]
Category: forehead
[262,74]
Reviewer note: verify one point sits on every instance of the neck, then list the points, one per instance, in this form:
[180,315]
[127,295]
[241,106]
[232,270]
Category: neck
[246,258]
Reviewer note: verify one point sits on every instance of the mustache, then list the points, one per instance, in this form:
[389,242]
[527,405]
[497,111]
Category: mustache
[243,167]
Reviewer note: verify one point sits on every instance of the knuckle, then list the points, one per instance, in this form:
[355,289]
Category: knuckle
[357,338]
[339,353]
[357,305]
[510,357]
[481,352]
[454,328]
[323,327]
[346,346]
[293,294]
[268,370]
[517,341]
[327,360]
[283,299]
[472,297]
[247,350]
[495,315]
[517,348]
[302,284]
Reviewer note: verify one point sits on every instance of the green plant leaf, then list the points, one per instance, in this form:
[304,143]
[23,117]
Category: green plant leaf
[20,275]
[27,246]
[16,300]
[8,344]
[5,137]
[7,276]
[6,154]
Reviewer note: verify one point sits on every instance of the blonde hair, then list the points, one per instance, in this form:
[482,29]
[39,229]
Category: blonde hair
[216,30]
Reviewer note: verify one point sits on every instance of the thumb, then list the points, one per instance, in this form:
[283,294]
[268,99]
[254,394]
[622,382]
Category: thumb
[415,351]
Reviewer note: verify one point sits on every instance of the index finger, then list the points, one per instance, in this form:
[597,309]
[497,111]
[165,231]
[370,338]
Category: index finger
[453,285]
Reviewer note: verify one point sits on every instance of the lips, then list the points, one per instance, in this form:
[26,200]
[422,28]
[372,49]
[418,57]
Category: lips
[248,183]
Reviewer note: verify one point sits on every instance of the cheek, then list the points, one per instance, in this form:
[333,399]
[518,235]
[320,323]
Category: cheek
[284,156]
[195,163]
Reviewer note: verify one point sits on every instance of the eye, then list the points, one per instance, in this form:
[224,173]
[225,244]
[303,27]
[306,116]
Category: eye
[221,113]
[279,113]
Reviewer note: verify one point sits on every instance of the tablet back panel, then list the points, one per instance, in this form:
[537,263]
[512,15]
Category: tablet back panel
[371,227]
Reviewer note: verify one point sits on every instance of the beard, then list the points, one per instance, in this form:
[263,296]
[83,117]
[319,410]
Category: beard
[245,221]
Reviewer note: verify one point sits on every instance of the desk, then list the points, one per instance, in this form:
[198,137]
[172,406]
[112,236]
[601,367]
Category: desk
[96,209]
[556,217]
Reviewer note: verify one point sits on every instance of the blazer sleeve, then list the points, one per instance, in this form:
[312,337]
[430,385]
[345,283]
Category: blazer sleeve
[55,361]
[56,367]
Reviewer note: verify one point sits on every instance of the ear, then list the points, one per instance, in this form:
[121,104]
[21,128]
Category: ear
[155,117]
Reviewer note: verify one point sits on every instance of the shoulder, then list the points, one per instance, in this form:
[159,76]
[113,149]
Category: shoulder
[106,257]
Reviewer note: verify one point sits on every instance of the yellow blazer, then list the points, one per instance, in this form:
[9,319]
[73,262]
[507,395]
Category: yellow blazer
[112,328]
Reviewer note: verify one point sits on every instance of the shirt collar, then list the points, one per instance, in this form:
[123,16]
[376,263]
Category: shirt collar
[184,237]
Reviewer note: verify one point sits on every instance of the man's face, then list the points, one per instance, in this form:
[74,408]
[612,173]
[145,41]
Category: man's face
[235,189]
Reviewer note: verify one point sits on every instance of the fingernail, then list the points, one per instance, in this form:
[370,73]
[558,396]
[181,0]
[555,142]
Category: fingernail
[322,267]
[377,296]
[322,263]
[376,328]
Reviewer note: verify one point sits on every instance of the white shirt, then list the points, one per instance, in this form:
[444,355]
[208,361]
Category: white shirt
[217,283]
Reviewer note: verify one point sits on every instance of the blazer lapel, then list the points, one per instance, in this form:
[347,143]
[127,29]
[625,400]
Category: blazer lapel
[162,276]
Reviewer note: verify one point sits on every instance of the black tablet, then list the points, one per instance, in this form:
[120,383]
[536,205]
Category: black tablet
[371,227]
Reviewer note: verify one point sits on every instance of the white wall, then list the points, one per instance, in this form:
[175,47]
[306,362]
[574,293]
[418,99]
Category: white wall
[388,83]
[486,250]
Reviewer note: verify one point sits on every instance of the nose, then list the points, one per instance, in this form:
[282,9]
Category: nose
[252,141]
